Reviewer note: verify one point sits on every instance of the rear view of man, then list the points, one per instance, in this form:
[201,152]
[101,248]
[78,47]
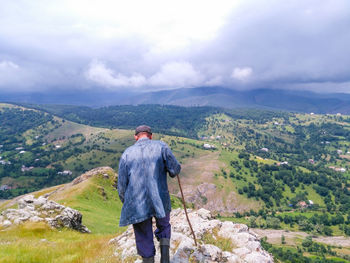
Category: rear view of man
[143,189]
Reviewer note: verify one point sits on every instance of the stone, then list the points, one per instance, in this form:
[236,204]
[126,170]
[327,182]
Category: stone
[6,223]
[41,209]
[36,219]
[246,245]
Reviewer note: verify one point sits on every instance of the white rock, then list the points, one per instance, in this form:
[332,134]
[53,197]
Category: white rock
[42,209]
[242,251]
[205,214]
[212,252]
[230,257]
[40,201]
[36,219]
[182,249]
[6,223]
[24,201]
[257,257]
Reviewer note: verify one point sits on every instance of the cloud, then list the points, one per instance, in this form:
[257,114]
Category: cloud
[100,74]
[215,81]
[10,73]
[177,74]
[242,74]
[244,44]
[171,74]
[6,65]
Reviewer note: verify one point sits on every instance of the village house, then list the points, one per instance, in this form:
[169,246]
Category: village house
[311,161]
[264,149]
[337,169]
[26,169]
[3,162]
[340,169]
[65,172]
[282,163]
[208,146]
[5,187]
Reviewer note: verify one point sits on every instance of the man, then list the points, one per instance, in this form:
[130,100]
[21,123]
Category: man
[143,189]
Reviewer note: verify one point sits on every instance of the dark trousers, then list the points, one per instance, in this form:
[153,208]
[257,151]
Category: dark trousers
[144,235]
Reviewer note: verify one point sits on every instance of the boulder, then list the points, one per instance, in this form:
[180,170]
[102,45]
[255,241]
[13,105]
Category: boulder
[244,245]
[41,209]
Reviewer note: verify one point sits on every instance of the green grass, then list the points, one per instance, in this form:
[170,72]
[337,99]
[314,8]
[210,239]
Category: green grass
[100,212]
[37,243]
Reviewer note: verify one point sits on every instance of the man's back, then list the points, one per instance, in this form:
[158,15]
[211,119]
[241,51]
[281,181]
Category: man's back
[142,180]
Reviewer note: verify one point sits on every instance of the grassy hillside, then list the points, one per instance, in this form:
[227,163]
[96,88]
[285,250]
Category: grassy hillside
[96,199]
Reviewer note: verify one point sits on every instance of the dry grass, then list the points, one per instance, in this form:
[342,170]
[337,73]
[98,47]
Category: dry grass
[36,242]
[225,244]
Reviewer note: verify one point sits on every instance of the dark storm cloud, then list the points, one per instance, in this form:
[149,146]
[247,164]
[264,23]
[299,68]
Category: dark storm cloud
[279,44]
[286,42]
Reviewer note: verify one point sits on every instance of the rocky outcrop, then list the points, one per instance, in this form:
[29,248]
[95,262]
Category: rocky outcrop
[41,209]
[208,196]
[217,241]
[104,170]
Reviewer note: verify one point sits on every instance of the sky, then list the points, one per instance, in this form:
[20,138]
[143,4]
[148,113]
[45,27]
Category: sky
[155,45]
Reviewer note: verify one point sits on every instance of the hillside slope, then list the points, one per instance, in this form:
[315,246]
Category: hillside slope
[94,196]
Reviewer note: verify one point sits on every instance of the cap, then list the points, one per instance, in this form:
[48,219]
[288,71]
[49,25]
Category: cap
[143,128]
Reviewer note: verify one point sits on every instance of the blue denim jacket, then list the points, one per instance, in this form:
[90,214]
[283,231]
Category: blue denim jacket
[142,180]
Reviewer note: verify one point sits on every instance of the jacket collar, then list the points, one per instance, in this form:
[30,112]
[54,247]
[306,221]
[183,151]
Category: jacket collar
[142,140]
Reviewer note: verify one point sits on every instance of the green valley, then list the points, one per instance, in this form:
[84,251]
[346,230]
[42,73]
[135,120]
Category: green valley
[267,169]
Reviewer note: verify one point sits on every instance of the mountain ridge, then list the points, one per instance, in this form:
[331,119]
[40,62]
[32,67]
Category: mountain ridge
[264,98]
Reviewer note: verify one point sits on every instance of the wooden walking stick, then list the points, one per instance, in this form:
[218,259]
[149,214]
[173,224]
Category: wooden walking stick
[184,203]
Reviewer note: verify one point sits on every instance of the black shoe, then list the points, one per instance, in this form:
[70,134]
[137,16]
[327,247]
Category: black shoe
[164,250]
[148,260]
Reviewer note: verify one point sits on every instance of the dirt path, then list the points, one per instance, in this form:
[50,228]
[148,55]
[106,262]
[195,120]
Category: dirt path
[274,237]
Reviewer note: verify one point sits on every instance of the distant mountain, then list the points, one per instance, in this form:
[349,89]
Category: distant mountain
[300,101]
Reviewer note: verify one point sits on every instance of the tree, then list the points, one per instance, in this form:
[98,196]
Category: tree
[273,222]
[283,240]
[307,242]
